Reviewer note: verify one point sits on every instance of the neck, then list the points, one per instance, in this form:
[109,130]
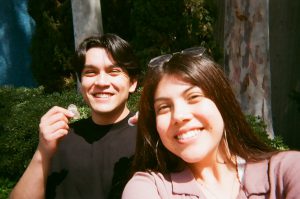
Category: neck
[216,172]
[110,117]
[217,180]
[215,162]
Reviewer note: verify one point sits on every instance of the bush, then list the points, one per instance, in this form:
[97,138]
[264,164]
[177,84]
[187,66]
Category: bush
[52,43]
[151,26]
[134,99]
[20,113]
[259,127]
[168,26]
[6,186]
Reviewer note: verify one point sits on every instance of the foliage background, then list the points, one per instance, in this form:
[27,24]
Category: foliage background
[153,27]
[52,43]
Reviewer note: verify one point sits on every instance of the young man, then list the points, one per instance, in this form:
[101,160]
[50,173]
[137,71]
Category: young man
[81,160]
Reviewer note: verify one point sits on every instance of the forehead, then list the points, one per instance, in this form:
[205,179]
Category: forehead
[174,79]
[171,84]
[98,57]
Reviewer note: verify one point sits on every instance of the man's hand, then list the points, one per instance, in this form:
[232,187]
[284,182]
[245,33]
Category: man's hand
[53,126]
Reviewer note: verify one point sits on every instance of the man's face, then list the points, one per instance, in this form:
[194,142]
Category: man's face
[105,87]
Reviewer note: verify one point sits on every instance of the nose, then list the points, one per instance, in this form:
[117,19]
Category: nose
[102,79]
[181,114]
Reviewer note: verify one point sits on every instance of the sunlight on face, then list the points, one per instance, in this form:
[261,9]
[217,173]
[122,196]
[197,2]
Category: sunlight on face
[105,86]
[189,124]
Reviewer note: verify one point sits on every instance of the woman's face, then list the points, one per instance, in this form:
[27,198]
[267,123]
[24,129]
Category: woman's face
[189,124]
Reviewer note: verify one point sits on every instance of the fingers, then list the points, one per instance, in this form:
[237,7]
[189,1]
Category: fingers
[56,109]
[53,126]
[56,118]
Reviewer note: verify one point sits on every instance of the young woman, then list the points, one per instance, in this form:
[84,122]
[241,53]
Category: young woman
[194,141]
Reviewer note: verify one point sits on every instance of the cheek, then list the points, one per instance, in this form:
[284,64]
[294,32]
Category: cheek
[159,126]
[215,120]
[162,124]
[86,82]
[120,83]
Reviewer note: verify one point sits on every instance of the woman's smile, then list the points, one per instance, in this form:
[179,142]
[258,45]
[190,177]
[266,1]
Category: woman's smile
[189,124]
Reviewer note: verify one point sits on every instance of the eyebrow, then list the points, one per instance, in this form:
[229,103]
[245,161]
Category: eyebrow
[107,66]
[165,98]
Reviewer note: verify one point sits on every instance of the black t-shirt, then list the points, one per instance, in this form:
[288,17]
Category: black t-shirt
[84,164]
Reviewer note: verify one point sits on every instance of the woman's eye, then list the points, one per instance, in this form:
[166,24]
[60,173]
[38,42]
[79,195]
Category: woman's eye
[162,109]
[195,97]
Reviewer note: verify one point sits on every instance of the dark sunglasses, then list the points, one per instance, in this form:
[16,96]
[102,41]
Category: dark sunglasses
[158,61]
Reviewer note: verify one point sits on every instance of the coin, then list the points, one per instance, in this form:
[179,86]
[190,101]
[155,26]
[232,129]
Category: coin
[74,110]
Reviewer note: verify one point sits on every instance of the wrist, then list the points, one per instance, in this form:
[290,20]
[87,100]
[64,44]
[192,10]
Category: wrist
[41,157]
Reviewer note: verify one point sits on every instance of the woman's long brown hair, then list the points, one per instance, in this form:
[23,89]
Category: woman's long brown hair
[201,71]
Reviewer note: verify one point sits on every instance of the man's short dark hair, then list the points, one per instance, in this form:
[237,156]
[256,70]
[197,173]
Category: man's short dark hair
[119,49]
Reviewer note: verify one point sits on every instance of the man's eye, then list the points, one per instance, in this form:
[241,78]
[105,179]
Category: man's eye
[116,71]
[89,72]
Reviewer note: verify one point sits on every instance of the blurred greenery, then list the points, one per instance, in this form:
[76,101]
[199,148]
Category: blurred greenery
[21,110]
[52,44]
[152,27]
[259,127]
[160,27]
[6,186]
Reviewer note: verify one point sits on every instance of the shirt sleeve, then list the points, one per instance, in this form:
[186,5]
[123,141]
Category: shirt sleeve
[288,174]
[141,185]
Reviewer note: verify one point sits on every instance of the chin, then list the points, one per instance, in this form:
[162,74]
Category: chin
[192,160]
[193,157]
[103,111]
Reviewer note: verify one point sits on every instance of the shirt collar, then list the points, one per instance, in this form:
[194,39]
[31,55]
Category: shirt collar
[254,180]
[184,183]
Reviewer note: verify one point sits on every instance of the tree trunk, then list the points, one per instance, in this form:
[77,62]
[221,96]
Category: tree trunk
[87,19]
[246,45]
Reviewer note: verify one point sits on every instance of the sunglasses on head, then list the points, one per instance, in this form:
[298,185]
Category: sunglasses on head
[159,60]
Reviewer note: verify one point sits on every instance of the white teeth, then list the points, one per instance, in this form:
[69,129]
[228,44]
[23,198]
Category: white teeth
[102,95]
[188,134]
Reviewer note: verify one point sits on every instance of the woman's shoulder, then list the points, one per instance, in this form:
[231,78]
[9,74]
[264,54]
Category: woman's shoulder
[284,159]
[181,184]
[289,154]
[145,185]
[278,160]
[150,176]
[281,171]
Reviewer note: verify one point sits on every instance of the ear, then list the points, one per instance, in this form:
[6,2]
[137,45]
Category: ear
[133,85]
